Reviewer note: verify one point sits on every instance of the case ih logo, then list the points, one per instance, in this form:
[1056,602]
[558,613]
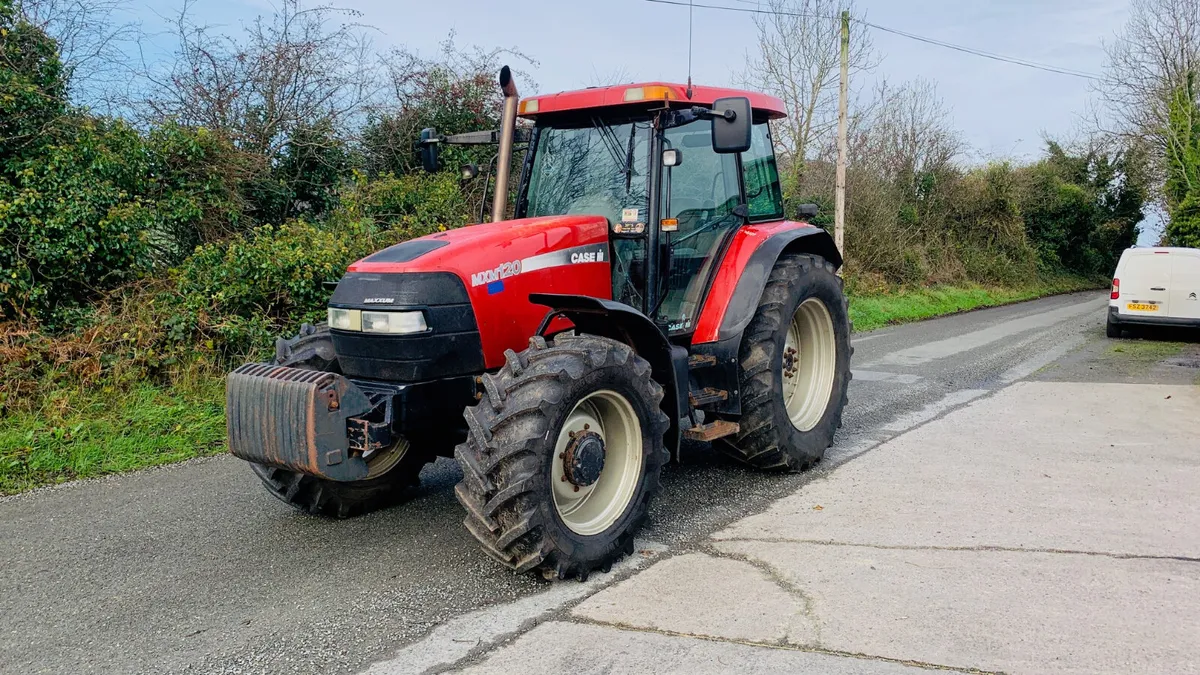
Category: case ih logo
[588,256]
[502,271]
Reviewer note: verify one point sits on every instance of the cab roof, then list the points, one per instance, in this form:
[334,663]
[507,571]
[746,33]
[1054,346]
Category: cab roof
[646,92]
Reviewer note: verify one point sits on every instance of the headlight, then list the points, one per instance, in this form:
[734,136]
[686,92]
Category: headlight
[345,319]
[394,322]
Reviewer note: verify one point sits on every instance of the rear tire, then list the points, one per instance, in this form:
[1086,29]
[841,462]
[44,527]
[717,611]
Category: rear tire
[791,411]
[520,504]
[1112,330]
[313,349]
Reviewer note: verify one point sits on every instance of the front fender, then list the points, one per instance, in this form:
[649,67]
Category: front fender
[616,320]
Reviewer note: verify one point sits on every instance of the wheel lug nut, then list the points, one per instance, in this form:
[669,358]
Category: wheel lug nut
[562,455]
[564,478]
[586,427]
[577,488]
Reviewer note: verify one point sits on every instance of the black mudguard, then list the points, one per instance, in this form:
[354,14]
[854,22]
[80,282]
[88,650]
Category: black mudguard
[616,320]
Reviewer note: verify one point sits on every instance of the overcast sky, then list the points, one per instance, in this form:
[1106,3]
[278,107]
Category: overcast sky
[1003,110]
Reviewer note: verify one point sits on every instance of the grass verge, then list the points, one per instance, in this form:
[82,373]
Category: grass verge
[101,434]
[81,435]
[876,310]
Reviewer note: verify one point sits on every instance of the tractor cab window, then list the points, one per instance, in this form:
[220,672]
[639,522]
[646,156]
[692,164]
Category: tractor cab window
[596,168]
[700,195]
[763,196]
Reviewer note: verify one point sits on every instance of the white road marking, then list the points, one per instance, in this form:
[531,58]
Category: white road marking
[932,351]
[882,376]
[935,409]
[482,629]
[866,338]
[1024,370]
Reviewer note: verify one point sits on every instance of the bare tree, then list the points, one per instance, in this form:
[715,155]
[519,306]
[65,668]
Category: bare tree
[94,44]
[1148,63]
[798,60]
[301,68]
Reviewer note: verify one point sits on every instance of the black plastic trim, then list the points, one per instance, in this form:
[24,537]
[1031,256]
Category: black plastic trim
[405,289]
[406,251]
[1115,316]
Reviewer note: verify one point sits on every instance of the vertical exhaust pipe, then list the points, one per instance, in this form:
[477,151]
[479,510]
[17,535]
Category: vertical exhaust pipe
[508,128]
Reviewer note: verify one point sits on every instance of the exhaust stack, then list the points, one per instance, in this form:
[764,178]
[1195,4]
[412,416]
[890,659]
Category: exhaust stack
[508,127]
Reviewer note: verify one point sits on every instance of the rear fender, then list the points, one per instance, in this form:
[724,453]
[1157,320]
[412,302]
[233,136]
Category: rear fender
[742,275]
[612,319]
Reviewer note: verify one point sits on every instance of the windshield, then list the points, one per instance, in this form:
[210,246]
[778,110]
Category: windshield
[598,169]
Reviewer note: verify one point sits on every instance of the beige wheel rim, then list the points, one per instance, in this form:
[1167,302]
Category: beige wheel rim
[592,509]
[809,364]
[386,459]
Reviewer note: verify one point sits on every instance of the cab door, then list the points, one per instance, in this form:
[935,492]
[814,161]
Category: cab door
[1146,283]
[1185,284]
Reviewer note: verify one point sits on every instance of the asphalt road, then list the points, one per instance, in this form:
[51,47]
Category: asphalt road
[195,568]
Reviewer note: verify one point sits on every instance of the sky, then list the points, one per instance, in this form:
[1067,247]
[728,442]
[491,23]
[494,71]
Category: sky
[1003,110]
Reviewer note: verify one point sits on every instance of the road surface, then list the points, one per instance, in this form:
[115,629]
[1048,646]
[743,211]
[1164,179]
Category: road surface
[195,568]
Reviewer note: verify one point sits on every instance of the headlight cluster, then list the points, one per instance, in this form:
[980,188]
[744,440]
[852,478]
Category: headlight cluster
[395,323]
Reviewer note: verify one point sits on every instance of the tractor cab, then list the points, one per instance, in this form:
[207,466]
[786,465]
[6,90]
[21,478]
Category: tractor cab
[675,171]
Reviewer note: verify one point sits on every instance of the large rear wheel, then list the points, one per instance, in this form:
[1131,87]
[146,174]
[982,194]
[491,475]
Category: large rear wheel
[563,456]
[794,367]
[390,470]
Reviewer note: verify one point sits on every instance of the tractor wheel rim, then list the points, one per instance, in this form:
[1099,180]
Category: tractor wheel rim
[386,459]
[809,364]
[592,509]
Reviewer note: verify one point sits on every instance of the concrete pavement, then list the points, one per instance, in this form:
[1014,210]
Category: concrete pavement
[1051,527]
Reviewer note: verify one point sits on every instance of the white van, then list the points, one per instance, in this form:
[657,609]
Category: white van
[1155,287]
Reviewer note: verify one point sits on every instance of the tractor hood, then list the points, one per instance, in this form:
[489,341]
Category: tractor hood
[493,267]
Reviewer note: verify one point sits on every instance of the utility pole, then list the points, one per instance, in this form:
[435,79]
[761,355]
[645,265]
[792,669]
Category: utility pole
[839,214]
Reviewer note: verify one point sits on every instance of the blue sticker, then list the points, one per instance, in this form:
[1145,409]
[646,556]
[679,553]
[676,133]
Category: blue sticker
[495,287]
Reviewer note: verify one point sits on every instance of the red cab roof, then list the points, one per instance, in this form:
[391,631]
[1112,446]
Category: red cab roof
[646,92]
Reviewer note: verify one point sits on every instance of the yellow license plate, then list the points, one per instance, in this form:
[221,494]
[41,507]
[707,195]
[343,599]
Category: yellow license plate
[1141,307]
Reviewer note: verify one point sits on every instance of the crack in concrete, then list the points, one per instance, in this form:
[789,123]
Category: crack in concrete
[560,612]
[791,647]
[781,580]
[981,548]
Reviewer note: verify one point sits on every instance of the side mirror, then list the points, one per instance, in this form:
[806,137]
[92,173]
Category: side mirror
[807,210]
[731,121]
[429,150]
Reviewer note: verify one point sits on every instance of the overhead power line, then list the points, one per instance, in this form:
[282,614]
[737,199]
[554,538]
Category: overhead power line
[912,36]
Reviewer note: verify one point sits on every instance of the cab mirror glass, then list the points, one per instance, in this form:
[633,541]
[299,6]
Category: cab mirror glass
[731,124]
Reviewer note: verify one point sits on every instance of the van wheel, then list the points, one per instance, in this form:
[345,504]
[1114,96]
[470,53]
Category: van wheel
[1112,330]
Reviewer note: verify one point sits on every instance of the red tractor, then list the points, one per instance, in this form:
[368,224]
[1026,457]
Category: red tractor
[648,290]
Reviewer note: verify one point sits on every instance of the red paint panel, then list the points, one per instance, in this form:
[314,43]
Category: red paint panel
[506,318]
[600,97]
[745,242]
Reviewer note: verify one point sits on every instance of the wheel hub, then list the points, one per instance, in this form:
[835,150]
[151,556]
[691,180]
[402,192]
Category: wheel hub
[583,460]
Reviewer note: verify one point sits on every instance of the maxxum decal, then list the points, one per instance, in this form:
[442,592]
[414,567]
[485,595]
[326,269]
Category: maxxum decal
[588,253]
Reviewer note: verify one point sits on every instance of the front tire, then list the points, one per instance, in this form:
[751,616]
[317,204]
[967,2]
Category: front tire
[563,456]
[392,472]
[794,367]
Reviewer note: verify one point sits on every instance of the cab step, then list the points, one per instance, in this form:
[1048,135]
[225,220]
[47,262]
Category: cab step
[711,431]
[701,361]
[707,396]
